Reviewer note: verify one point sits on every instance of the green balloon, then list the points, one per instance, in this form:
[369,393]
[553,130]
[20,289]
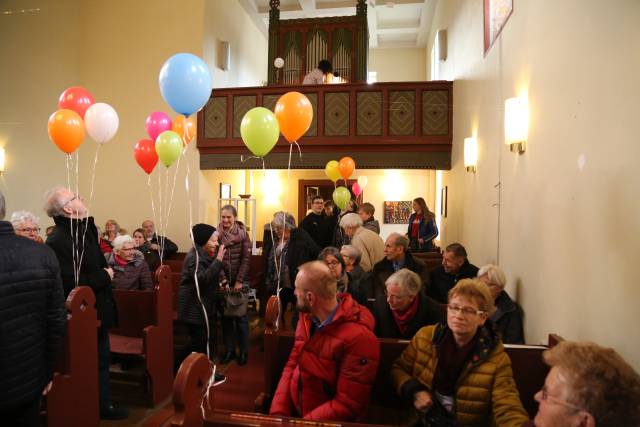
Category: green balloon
[341,197]
[168,147]
[260,131]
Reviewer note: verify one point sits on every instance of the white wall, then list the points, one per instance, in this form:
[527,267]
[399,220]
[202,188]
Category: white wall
[398,65]
[569,222]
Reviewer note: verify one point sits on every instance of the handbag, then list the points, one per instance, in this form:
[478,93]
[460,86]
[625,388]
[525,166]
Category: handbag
[236,303]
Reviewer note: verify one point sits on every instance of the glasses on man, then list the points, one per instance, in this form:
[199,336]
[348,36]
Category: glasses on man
[544,394]
[29,230]
[466,311]
[393,297]
[75,196]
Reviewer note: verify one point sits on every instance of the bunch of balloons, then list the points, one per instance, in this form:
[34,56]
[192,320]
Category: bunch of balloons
[79,112]
[185,84]
[344,168]
[260,128]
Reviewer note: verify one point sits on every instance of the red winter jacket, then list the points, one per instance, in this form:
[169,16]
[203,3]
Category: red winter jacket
[329,375]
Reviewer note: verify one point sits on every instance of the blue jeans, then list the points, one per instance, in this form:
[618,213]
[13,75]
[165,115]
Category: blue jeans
[235,330]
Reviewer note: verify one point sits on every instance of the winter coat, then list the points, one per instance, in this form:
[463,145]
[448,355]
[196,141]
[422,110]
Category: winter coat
[429,312]
[150,256]
[301,249]
[170,248]
[383,269]
[189,308]
[442,282]
[372,224]
[329,375]
[508,319]
[320,228]
[92,271]
[485,390]
[237,245]
[427,230]
[133,276]
[32,317]
[370,245]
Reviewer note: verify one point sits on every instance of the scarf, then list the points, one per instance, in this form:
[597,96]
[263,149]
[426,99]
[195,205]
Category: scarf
[403,318]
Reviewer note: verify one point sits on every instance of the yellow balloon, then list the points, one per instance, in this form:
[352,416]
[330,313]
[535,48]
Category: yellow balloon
[332,170]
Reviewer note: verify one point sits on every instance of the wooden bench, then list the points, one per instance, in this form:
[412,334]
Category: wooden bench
[73,398]
[431,259]
[191,409]
[145,332]
[529,370]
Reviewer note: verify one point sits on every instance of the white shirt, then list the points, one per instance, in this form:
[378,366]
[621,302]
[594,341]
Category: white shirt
[314,77]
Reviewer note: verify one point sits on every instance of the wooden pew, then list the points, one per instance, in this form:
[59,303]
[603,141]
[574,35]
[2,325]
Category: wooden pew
[190,402]
[73,398]
[145,332]
[431,259]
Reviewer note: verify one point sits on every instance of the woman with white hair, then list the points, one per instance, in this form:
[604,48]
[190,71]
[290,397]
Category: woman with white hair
[366,241]
[25,224]
[130,270]
[508,315]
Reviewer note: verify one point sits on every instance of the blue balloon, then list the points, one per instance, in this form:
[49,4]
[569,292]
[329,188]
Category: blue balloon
[185,83]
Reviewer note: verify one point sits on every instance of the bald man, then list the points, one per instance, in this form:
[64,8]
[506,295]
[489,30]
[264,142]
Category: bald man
[335,357]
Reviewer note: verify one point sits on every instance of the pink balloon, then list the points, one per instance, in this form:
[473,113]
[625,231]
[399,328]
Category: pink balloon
[356,189]
[157,122]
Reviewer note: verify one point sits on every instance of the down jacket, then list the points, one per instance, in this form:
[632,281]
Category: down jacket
[189,308]
[237,246]
[329,375]
[32,317]
[486,391]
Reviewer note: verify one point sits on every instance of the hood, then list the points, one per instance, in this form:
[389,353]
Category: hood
[351,311]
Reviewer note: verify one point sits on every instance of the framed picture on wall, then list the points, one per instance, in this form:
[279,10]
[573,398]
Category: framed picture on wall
[397,212]
[225,191]
[496,14]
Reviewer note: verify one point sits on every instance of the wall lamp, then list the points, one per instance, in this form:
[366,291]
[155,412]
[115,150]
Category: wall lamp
[471,154]
[516,124]
[2,160]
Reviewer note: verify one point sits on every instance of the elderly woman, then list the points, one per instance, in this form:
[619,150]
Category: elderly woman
[290,248]
[508,315]
[25,224]
[332,258]
[404,309]
[111,231]
[130,271]
[366,241]
[458,373]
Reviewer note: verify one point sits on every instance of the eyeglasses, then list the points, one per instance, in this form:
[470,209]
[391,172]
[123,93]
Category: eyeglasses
[29,230]
[394,297]
[75,196]
[544,394]
[466,311]
[332,263]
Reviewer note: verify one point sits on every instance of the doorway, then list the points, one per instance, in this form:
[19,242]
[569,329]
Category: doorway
[309,188]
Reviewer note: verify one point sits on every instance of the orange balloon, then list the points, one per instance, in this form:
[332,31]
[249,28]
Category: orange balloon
[294,113]
[346,167]
[66,130]
[185,127]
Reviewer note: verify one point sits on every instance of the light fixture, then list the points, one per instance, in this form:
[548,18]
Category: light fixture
[516,124]
[471,154]
[2,159]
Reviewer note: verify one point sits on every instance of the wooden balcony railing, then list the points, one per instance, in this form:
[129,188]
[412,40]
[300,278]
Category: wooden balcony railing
[389,125]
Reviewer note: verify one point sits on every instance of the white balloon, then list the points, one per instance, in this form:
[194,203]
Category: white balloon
[363,181]
[101,122]
[278,62]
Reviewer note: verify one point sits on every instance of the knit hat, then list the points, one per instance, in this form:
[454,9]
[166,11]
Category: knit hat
[202,233]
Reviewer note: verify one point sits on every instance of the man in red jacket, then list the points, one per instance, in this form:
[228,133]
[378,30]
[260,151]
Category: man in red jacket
[335,357]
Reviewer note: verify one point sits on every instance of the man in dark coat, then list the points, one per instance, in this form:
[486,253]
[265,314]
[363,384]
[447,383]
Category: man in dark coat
[455,266]
[33,321]
[396,257]
[315,223]
[75,242]
[156,241]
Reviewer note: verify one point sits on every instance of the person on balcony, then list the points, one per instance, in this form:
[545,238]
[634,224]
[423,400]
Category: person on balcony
[318,75]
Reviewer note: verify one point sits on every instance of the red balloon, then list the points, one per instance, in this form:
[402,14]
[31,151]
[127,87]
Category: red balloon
[145,154]
[77,99]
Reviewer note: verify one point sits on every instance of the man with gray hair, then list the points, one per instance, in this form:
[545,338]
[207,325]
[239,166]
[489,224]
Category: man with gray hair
[397,256]
[368,243]
[33,317]
[75,242]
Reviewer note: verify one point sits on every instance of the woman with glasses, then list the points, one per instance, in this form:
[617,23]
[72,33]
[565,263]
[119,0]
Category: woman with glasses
[404,309]
[508,315]
[25,224]
[457,373]
[130,271]
[332,258]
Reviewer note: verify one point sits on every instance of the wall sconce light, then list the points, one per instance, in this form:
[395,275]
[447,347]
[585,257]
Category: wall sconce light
[471,154]
[2,160]
[516,124]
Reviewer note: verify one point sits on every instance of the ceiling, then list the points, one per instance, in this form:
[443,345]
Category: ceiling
[392,24]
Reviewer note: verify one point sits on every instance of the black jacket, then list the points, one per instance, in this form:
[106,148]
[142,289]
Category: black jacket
[301,249]
[384,268]
[92,271]
[442,282]
[32,317]
[318,228]
[508,319]
[429,312]
[189,308]
[170,248]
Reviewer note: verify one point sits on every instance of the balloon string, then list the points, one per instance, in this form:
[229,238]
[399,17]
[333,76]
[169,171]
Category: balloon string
[69,160]
[299,149]
[170,204]
[160,213]
[244,159]
[90,204]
